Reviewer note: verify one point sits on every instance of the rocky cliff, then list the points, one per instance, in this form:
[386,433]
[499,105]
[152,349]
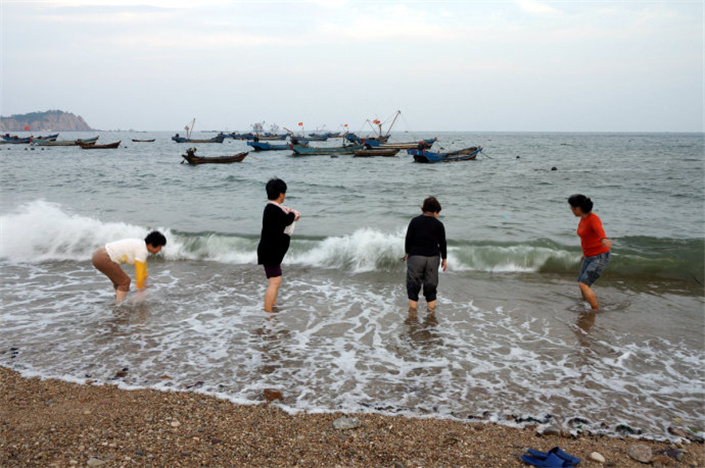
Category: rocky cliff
[53,120]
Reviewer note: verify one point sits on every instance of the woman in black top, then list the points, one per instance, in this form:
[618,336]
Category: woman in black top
[426,250]
[277,225]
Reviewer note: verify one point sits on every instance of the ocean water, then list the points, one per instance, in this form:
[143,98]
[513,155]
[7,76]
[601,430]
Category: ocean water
[511,341]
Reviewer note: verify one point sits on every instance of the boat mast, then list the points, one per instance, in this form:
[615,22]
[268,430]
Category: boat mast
[189,130]
[396,116]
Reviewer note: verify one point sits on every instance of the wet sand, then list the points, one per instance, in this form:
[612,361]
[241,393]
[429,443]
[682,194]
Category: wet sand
[52,423]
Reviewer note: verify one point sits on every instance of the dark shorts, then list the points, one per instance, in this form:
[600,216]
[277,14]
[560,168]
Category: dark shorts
[422,272]
[593,267]
[272,271]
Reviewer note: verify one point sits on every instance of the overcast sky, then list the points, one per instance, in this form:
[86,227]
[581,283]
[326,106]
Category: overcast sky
[519,65]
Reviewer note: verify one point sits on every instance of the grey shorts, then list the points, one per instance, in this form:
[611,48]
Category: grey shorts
[593,267]
[422,271]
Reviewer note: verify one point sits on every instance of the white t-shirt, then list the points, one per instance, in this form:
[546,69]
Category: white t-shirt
[128,251]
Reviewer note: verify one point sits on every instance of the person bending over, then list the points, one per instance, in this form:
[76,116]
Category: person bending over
[108,258]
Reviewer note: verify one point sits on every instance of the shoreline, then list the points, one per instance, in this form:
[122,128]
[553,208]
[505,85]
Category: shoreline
[54,423]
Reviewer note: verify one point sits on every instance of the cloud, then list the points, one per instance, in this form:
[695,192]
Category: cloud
[532,6]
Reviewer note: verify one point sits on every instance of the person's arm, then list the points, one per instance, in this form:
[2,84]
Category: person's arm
[443,246]
[599,230]
[140,273]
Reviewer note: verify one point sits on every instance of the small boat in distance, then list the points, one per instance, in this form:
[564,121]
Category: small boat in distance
[106,146]
[300,150]
[143,141]
[189,129]
[465,154]
[215,139]
[191,158]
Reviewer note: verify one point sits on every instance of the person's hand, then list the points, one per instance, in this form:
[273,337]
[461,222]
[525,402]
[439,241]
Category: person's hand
[606,242]
[444,263]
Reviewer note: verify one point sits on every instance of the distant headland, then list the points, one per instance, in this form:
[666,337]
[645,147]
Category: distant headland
[52,120]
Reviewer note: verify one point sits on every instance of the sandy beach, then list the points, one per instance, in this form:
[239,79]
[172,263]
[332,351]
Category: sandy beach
[52,423]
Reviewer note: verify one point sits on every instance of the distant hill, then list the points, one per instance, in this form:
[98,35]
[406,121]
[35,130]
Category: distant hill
[52,120]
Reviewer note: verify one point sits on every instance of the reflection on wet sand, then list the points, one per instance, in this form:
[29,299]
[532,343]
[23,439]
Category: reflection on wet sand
[422,332]
[584,324]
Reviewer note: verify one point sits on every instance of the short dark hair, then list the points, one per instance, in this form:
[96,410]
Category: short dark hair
[431,205]
[275,187]
[581,201]
[155,239]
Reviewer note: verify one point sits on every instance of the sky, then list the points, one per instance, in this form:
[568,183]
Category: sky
[524,65]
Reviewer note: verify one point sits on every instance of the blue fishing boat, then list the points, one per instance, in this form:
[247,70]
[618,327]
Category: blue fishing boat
[425,156]
[16,140]
[265,146]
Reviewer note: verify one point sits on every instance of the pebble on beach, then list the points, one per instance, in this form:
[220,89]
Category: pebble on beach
[56,423]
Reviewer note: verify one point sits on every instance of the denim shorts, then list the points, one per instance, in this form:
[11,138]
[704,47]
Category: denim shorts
[593,267]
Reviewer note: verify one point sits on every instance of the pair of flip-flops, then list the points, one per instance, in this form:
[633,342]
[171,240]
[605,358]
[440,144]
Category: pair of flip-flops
[554,458]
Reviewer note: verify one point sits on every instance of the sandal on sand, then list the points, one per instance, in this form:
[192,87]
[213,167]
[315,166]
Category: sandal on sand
[556,451]
[551,461]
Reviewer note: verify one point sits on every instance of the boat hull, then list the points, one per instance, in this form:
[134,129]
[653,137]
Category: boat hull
[313,151]
[218,139]
[106,146]
[258,146]
[78,142]
[385,152]
[196,160]
[466,154]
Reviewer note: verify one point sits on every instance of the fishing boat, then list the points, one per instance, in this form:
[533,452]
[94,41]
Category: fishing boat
[191,158]
[51,137]
[144,141]
[369,152]
[300,150]
[215,139]
[179,139]
[465,154]
[77,142]
[264,146]
[95,146]
[16,140]
[423,144]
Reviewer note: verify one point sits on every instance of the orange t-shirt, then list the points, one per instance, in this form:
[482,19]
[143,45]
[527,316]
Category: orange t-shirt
[591,235]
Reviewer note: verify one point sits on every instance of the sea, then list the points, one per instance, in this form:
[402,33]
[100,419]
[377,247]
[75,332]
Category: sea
[510,342]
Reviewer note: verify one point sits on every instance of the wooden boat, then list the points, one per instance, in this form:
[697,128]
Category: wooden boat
[78,142]
[369,152]
[106,146]
[423,144]
[300,150]
[191,158]
[264,146]
[465,154]
[144,141]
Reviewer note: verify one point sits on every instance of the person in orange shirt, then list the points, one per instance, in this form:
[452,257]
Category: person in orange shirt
[108,258]
[595,244]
